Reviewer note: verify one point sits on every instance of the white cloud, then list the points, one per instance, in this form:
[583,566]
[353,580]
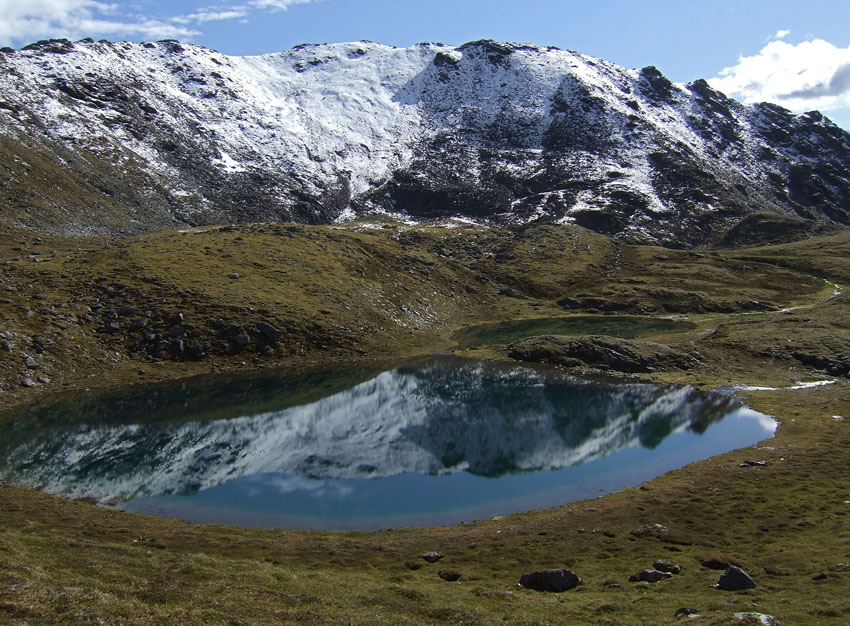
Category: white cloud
[24,21]
[277,5]
[28,20]
[810,75]
[316,488]
[781,34]
[211,15]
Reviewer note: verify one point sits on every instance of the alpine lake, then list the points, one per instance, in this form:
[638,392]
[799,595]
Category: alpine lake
[425,442]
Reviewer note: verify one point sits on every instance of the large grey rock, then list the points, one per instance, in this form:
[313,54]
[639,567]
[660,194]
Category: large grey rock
[735,579]
[554,580]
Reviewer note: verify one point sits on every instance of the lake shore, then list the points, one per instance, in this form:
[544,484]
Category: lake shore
[66,562]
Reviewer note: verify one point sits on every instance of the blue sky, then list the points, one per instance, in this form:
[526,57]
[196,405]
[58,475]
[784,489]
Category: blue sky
[787,51]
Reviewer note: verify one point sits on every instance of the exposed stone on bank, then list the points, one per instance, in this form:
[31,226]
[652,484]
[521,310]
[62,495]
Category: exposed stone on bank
[621,355]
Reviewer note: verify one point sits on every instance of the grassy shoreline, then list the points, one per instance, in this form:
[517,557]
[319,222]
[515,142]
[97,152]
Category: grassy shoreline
[65,562]
[71,562]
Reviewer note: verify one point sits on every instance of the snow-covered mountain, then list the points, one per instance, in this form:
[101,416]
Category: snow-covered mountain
[103,136]
[433,418]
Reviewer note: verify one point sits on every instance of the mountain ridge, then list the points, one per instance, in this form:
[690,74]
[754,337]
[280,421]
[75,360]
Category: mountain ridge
[151,136]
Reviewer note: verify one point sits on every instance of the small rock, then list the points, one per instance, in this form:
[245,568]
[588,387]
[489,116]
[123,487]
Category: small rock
[266,351]
[735,579]
[157,348]
[821,576]
[126,310]
[754,464]
[649,576]
[7,346]
[234,275]
[44,381]
[686,610]
[470,289]
[26,382]
[554,580]
[176,332]
[139,323]
[269,332]
[449,575]
[432,557]
[650,530]
[241,340]
[31,363]
[41,344]
[667,566]
[113,327]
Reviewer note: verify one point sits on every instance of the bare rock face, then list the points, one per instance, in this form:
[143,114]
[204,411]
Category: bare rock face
[554,580]
[157,135]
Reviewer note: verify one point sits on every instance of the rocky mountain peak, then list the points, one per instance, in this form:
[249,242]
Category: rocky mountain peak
[146,136]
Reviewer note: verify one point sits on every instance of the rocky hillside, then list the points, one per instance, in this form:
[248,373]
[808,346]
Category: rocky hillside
[102,137]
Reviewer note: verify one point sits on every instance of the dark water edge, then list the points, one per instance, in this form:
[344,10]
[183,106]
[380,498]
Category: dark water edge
[434,441]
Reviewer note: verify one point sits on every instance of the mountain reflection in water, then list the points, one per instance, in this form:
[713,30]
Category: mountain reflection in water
[434,417]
